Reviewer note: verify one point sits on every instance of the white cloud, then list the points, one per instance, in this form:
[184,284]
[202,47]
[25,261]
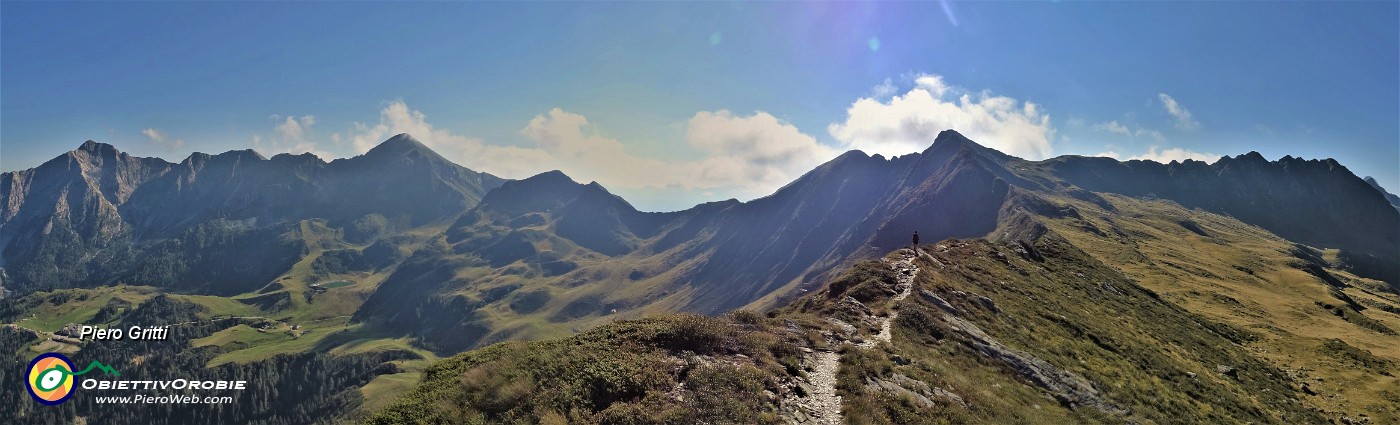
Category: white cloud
[1156,153]
[1184,120]
[910,122]
[294,129]
[1116,128]
[1113,127]
[763,152]
[396,118]
[752,155]
[884,90]
[933,83]
[160,139]
[154,135]
[1152,134]
[740,156]
[575,146]
[289,136]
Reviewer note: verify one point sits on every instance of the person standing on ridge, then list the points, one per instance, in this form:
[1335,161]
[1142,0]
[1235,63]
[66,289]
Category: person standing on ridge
[916,239]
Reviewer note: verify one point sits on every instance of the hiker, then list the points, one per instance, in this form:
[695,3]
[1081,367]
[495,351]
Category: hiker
[916,239]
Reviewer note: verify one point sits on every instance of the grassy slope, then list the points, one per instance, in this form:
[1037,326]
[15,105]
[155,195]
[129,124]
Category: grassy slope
[608,283]
[1155,360]
[1150,360]
[672,369]
[1244,276]
[989,392]
[81,306]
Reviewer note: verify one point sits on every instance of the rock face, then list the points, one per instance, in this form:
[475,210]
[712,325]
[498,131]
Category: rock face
[1389,197]
[60,217]
[918,391]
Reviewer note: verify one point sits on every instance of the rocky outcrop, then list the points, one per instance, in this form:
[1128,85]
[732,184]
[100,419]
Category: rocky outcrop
[1065,386]
[920,392]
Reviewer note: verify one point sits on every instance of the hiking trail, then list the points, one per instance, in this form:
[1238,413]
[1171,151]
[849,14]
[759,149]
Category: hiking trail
[822,405]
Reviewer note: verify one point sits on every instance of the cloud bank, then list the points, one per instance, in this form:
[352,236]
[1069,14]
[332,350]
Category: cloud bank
[1116,128]
[1158,154]
[739,156]
[290,135]
[910,122]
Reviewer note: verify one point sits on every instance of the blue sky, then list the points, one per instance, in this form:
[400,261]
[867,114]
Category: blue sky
[671,104]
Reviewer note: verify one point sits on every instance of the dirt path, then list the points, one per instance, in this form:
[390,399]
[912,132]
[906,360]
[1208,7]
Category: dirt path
[822,405]
[907,271]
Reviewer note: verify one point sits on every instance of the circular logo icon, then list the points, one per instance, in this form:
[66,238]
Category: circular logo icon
[50,379]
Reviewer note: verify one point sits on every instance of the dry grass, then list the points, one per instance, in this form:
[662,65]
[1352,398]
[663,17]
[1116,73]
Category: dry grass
[1247,277]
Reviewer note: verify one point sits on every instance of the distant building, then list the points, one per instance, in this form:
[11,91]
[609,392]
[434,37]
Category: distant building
[70,330]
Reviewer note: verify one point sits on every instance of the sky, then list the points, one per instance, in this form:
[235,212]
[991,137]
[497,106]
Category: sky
[672,104]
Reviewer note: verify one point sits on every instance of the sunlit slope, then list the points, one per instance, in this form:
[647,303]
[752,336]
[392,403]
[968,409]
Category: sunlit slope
[1038,332]
[670,369]
[1331,330]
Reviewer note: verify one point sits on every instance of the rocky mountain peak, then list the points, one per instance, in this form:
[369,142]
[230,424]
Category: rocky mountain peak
[92,146]
[399,145]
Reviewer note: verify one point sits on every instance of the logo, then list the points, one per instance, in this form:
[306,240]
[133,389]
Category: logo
[51,377]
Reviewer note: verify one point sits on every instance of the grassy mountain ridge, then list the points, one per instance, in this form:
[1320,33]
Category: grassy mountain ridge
[993,333]
[1079,307]
[1305,311]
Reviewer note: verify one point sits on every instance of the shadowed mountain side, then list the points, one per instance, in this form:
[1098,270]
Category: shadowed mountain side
[1389,197]
[580,254]
[549,256]
[854,207]
[1315,202]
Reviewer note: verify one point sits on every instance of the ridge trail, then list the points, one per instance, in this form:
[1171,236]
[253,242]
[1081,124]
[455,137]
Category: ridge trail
[907,271]
[822,403]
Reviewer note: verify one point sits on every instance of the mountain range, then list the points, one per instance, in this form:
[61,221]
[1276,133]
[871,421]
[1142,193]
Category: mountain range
[1277,276]
[97,216]
[547,255]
